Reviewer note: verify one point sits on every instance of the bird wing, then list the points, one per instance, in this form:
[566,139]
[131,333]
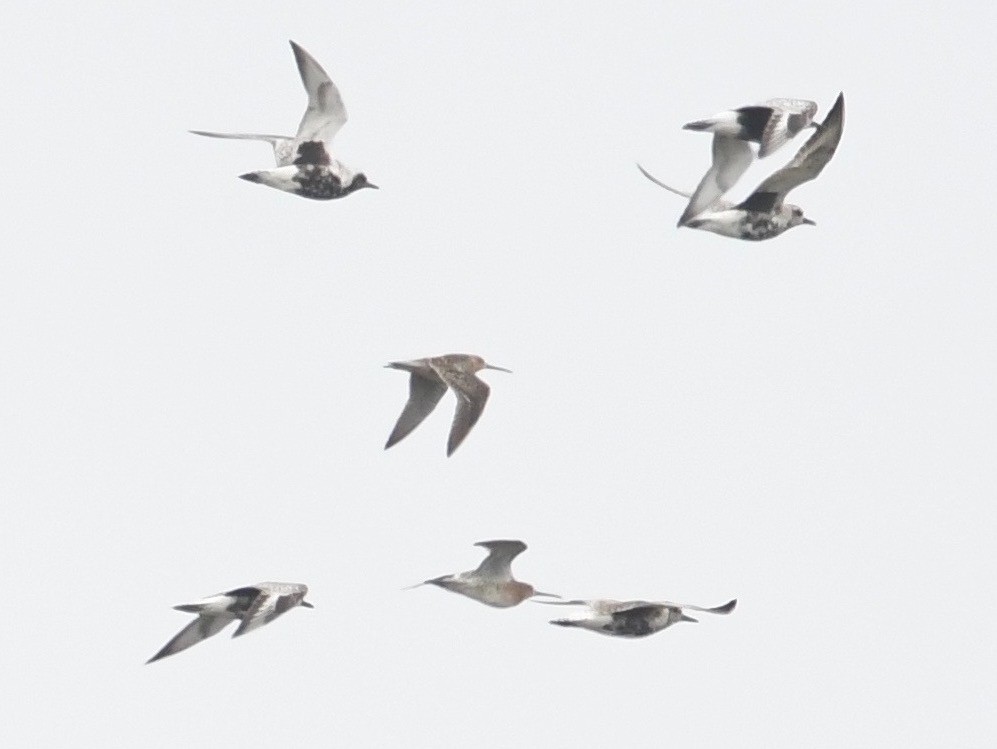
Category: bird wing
[725,609]
[472,394]
[423,395]
[283,147]
[719,204]
[808,162]
[731,158]
[203,627]
[659,183]
[498,563]
[326,113]
[268,605]
[788,117]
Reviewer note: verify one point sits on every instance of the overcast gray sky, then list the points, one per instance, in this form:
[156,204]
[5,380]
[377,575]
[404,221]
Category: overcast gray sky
[193,396]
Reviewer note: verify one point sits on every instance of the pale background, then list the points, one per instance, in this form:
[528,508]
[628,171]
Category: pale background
[193,396]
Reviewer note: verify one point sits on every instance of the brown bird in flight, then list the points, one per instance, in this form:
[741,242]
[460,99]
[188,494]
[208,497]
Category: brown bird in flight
[429,380]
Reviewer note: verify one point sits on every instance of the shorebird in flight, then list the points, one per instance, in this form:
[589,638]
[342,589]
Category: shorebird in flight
[429,380]
[771,125]
[764,214]
[253,606]
[492,582]
[304,163]
[632,618]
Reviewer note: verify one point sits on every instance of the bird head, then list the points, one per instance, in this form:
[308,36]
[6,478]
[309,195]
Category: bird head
[795,215]
[477,363]
[359,182]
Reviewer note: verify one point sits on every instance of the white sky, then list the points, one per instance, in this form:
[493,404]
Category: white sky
[193,396]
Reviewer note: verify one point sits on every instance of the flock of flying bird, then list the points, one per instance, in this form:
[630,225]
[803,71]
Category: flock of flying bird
[305,167]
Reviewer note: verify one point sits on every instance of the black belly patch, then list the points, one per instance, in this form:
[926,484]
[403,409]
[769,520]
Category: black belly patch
[312,152]
[318,183]
[635,625]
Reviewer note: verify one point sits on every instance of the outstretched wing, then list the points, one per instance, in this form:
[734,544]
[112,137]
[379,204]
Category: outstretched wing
[265,608]
[326,113]
[788,117]
[283,147]
[498,563]
[423,396]
[659,183]
[731,158]
[809,161]
[201,628]
[472,394]
[725,609]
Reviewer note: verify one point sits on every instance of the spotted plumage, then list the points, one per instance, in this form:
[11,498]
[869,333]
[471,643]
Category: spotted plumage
[252,606]
[632,619]
[305,165]
[764,214]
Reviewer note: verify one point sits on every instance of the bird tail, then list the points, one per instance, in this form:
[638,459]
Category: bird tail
[191,608]
[565,622]
[725,123]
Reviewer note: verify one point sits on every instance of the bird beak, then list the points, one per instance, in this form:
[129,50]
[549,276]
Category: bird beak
[307,605]
[370,184]
[500,369]
[808,221]
[548,595]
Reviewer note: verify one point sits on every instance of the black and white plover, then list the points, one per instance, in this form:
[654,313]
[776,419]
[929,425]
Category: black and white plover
[429,380]
[763,214]
[253,606]
[632,618]
[304,163]
[492,582]
[771,125]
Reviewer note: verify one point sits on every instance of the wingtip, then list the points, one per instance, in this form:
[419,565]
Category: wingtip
[726,608]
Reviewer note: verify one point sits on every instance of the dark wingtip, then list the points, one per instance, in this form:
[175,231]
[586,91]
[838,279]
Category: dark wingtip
[697,125]
[726,608]
[564,622]
[156,657]
[250,177]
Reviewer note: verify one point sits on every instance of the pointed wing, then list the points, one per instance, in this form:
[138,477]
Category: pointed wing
[809,161]
[265,608]
[731,158]
[423,395]
[283,147]
[725,609]
[472,394]
[326,113]
[659,183]
[718,205]
[200,629]
[498,564]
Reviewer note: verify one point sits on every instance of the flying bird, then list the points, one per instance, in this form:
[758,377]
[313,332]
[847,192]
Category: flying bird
[632,618]
[429,380]
[492,582]
[771,125]
[764,214]
[305,165]
[253,606]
